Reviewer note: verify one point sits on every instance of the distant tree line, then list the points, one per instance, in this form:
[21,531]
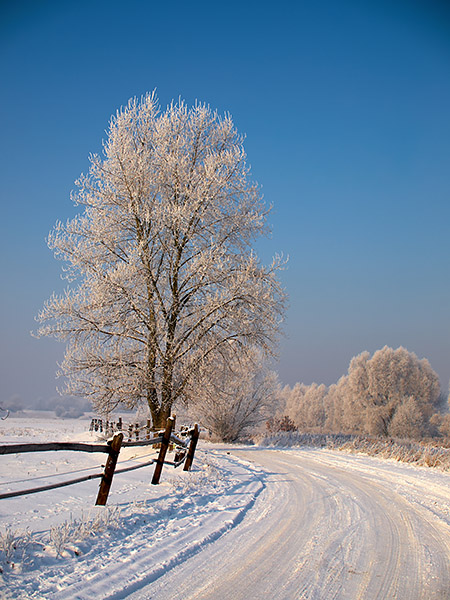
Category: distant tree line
[392,394]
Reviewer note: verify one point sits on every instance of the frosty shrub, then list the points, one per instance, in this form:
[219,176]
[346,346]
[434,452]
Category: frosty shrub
[76,530]
[17,548]
[8,543]
[284,423]
[13,545]
[60,535]
[236,396]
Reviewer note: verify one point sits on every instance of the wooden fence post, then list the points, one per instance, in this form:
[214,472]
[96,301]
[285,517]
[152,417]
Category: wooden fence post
[174,419]
[162,453]
[192,447]
[106,481]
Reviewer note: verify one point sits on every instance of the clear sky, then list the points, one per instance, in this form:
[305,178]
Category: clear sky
[346,109]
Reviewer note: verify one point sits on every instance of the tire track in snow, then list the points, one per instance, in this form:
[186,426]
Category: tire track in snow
[393,544]
[321,529]
[142,559]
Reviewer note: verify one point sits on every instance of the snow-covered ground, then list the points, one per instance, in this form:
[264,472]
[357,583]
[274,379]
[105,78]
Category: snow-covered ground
[246,522]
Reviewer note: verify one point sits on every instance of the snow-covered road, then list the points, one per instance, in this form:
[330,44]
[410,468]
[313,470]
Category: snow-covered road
[245,523]
[326,525]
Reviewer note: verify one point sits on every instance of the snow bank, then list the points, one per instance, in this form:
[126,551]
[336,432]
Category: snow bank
[58,545]
[402,450]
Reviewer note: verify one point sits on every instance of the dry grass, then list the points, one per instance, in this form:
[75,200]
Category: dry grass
[420,453]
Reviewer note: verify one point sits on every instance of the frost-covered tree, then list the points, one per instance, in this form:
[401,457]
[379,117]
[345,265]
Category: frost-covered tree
[408,420]
[239,393]
[162,275]
[306,406]
[391,393]
[441,419]
[336,408]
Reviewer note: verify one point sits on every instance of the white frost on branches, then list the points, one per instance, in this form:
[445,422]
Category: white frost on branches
[392,393]
[239,393]
[160,261]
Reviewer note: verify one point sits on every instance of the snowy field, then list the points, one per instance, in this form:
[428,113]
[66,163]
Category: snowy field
[246,522]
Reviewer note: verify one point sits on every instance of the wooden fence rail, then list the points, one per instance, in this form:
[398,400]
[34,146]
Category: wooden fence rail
[185,449]
[47,446]
[52,486]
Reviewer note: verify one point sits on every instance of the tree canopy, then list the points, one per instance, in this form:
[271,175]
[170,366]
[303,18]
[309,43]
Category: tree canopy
[162,274]
[392,393]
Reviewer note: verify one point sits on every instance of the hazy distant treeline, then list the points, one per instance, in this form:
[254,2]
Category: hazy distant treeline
[63,406]
[392,393]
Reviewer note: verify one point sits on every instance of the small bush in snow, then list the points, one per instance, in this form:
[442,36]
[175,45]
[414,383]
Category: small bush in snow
[208,476]
[72,531]
[13,545]
[8,543]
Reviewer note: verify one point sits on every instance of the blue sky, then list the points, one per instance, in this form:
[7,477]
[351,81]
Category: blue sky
[345,106]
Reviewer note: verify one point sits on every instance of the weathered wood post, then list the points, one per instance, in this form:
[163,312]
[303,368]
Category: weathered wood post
[174,418]
[191,450]
[162,453]
[110,466]
[148,428]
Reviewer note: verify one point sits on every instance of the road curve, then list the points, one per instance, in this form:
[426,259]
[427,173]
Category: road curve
[326,526]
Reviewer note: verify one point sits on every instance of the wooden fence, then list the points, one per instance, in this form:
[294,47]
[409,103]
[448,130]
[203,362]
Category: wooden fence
[185,443]
[133,431]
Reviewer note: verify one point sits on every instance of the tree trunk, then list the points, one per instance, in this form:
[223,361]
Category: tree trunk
[160,415]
